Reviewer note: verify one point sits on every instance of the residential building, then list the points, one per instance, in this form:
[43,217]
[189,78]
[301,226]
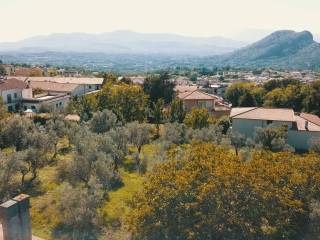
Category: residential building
[185,88]
[73,85]
[11,91]
[57,101]
[71,89]
[139,80]
[301,127]
[198,99]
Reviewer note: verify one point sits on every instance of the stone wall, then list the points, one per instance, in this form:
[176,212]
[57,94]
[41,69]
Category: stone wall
[15,218]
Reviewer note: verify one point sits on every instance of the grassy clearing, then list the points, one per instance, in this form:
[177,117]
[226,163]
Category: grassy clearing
[45,217]
[117,206]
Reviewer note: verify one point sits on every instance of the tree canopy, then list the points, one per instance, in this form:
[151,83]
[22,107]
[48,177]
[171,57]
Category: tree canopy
[207,192]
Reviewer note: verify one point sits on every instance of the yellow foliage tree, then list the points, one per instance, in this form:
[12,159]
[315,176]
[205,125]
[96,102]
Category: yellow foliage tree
[207,192]
[128,102]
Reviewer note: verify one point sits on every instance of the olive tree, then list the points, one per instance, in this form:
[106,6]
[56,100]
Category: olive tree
[79,208]
[139,135]
[102,122]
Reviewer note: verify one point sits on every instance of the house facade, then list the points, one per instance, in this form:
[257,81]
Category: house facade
[198,99]
[11,92]
[301,128]
[76,86]
[58,101]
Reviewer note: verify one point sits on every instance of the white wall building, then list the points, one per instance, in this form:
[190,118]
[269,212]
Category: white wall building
[301,128]
[53,101]
[11,93]
[75,86]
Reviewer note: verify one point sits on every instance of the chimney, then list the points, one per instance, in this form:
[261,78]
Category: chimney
[15,218]
[306,125]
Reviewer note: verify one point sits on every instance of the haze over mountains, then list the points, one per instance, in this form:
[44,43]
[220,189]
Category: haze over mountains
[281,49]
[125,42]
[125,50]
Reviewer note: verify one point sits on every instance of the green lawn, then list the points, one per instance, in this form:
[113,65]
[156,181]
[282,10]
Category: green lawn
[117,206]
[45,217]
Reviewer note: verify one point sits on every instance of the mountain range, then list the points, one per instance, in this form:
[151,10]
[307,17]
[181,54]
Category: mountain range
[125,50]
[125,42]
[281,49]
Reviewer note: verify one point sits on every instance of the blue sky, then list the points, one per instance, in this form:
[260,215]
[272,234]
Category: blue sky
[25,18]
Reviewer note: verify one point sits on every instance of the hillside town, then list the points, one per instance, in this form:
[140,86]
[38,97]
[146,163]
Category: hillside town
[160,120]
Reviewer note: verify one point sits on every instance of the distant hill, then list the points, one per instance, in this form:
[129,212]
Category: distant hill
[124,42]
[131,51]
[281,49]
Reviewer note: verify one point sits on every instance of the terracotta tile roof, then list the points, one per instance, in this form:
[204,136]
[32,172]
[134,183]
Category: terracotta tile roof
[184,88]
[301,125]
[137,80]
[11,83]
[53,86]
[240,110]
[73,117]
[273,114]
[74,80]
[197,95]
[311,118]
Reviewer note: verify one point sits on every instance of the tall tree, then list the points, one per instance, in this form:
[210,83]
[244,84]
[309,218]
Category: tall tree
[197,118]
[177,112]
[3,111]
[79,209]
[139,135]
[103,121]
[157,114]
[128,102]
[159,86]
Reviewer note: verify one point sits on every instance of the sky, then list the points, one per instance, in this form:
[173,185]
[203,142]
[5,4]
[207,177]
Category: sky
[200,18]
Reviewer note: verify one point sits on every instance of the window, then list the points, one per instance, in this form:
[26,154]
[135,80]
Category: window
[9,98]
[33,107]
[202,104]
[269,122]
[60,103]
[10,108]
[25,108]
[57,105]
[15,95]
[209,104]
[89,86]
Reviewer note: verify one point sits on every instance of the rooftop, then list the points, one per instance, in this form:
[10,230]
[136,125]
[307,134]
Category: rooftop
[185,88]
[74,80]
[196,95]
[311,118]
[301,125]
[272,114]
[53,86]
[12,83]
[45,98]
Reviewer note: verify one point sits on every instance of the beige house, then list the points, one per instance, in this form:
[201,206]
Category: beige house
[71,89]
[58,101]
[11,91]
[198,99]
[84,84]
[301,128]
